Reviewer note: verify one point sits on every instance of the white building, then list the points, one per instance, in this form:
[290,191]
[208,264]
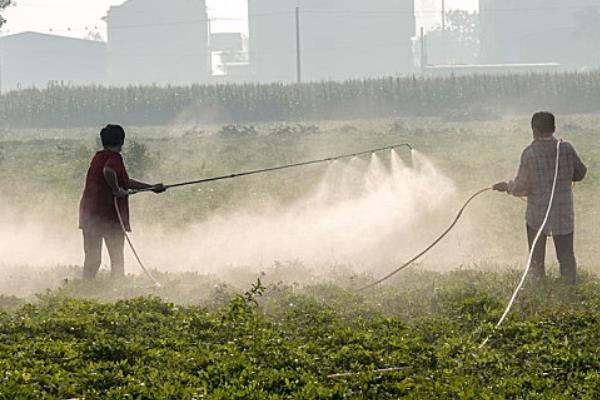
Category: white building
[158,42]
[540,31]
[32,59]
[339,39]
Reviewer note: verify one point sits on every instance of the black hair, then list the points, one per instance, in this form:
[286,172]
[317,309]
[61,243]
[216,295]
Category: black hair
[112,135]
[544,122]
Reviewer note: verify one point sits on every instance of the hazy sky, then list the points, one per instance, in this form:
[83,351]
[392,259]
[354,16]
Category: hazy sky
[72,17]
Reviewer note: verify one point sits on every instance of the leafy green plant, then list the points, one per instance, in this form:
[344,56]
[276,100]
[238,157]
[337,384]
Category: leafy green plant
[297,129]
[237,131]
[243,305]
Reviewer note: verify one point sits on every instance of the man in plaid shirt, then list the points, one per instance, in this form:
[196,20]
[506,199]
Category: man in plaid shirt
[534,180]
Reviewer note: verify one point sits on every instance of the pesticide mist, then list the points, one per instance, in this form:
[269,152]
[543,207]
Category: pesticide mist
[364,213]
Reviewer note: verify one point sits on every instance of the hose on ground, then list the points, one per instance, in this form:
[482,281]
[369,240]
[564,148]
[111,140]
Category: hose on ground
[431,246]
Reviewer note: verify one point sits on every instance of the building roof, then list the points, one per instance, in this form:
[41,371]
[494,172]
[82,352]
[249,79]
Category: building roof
[47,36]
[139,3]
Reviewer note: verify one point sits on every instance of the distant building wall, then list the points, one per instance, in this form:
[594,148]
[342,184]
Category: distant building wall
[227,41]
[537,31]
[340,39]
[230,56]
[428,14]
[272,43]
[158,42]
[34,60]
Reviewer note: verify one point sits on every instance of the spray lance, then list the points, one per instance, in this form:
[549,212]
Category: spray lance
[271,169]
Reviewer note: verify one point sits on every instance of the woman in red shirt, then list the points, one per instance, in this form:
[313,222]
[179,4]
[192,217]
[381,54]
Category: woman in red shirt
[106,179]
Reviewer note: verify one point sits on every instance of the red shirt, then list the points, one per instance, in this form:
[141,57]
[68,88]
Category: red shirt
[97,203]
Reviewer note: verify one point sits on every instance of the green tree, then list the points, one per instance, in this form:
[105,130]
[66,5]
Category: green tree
[3,5]
[458,43]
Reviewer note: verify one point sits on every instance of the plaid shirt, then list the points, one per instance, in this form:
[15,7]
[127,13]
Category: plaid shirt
[534,180]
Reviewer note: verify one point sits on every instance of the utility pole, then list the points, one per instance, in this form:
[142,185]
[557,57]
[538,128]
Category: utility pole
[443,15]
[298,54]
[444,49]
[423,55]
[209,61]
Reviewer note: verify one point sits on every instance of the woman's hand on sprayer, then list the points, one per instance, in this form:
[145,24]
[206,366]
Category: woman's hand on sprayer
[159,188]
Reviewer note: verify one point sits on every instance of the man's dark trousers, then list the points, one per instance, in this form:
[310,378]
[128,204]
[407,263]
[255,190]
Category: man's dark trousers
[564,252]
[113,237]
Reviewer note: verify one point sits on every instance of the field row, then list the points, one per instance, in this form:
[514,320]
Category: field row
[454,98]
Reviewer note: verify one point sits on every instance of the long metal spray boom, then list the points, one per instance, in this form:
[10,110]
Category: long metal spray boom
[265,170]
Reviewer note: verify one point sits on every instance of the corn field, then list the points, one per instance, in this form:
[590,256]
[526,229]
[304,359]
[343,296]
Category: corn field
[469,97]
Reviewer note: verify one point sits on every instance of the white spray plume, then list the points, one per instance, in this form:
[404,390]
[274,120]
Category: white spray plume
[362,214]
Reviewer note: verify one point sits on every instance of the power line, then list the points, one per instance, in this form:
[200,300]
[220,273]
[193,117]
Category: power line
[291,14]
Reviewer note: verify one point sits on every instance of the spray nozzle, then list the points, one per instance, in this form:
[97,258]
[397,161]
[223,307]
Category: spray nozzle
[402,145]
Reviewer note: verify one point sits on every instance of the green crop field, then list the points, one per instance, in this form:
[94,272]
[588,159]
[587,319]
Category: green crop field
[285,343]
[226,336]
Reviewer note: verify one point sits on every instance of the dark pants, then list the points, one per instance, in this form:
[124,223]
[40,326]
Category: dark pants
[113,237]
[564,252]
